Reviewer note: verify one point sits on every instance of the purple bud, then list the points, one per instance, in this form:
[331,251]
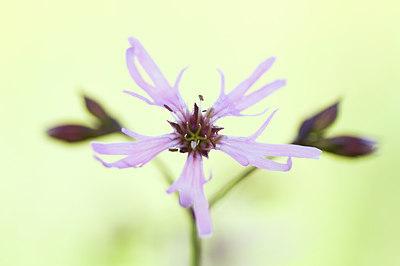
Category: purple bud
[95,109]
[347,146]
[72,133]
[318,122]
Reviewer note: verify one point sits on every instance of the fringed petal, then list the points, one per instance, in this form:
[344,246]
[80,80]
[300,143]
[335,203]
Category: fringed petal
[260,94]
[247,151]
[191,194]
[138,152]
[245,85]
[263,127]
[236,101]
[160,91]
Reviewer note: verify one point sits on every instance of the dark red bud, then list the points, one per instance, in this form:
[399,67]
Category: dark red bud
[72,133]
[318,122]
[95,109]
[347,146]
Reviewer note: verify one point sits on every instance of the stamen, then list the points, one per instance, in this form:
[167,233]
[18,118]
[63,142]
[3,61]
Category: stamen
[198,130]
[210,112]
[168,108]
[187,127]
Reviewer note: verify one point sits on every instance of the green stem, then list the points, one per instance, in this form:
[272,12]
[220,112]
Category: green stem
[164,170]
[230,185]
[195,241]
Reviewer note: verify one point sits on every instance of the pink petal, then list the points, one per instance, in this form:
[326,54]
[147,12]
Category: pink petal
[133,134]
[149,65]
[245,85]
[202,215]
[160,91]
[236,101]
[291,150]
[138,152]
[262,128]
[190,186]
[222,90]
[248,152]
[178,79]
[267,164]
[139,97]
[123,148]
[260,94]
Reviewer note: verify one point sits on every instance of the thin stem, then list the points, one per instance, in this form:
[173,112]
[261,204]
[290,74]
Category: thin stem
[164,170]
[230,185]
[195,241]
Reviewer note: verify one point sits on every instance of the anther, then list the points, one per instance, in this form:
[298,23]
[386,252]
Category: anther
[167,107]
[173,149]
[201,97]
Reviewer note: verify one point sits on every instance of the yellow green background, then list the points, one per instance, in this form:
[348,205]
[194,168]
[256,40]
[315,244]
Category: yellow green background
[60,207]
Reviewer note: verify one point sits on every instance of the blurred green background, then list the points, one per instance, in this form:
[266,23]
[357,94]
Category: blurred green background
[60,207]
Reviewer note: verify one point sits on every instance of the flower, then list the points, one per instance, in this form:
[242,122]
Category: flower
[195,132]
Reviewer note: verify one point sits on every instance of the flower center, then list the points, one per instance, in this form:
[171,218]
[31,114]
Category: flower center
[196,132]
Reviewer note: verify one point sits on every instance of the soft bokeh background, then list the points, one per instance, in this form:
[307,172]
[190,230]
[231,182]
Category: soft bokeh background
[61,207]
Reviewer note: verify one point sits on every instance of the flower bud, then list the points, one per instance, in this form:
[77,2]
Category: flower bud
[95,109]
[72,133]
[76,133]
[347,146]
[318,122]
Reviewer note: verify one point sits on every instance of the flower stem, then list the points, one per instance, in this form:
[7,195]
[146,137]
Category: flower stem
[230,185]
[195,241]
[164,170]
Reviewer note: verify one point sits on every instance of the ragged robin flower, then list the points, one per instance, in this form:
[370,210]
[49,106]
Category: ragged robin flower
[195,132]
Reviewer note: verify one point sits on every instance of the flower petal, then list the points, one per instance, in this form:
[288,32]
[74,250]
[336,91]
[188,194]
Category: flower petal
[190,186]
[123,148]
[260,94]
[271,165]
[222,90]
[291,150]
[140,97]
[138,152]
[161,91]
[263,127]
[248,152]
[235,102]
[149,65]
[245,85]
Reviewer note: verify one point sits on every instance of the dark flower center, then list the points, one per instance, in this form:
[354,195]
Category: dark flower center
[196,133]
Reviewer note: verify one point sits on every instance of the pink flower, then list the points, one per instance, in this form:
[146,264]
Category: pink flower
[195,132]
